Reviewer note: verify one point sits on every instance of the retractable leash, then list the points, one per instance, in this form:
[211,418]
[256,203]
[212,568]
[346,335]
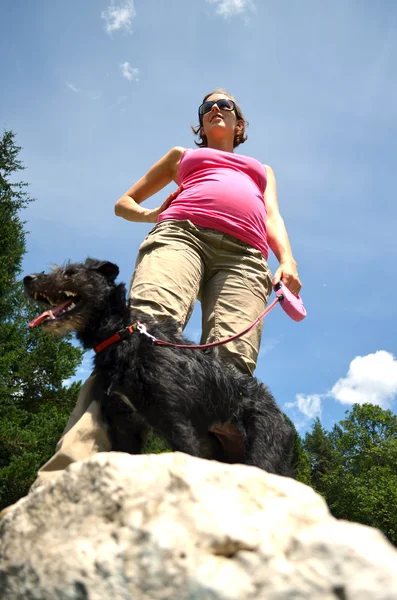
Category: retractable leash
[291,304]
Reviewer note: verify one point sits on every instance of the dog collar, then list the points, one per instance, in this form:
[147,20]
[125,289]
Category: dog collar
[117,337]
[123,335]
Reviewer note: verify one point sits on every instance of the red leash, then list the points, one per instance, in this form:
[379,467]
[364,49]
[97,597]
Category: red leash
[138,326]
[291,303]
[221,342]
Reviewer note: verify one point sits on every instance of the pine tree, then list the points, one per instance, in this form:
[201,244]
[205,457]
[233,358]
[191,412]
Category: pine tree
[321,454]
[300,458]
[34,402]
[12,236]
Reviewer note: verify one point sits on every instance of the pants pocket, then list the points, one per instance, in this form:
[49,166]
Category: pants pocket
[256,273]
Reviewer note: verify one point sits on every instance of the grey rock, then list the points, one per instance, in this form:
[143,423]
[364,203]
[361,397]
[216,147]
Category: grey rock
[173,527]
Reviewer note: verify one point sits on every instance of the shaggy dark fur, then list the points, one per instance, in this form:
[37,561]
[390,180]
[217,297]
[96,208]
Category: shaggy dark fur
[185,395]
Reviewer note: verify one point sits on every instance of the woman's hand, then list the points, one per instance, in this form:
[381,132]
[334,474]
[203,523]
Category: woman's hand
[288,274]
[153,214]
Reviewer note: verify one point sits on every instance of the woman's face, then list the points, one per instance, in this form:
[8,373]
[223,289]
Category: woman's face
[219,123]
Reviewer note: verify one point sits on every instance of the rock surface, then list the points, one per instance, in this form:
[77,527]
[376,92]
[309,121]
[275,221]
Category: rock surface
[173,527]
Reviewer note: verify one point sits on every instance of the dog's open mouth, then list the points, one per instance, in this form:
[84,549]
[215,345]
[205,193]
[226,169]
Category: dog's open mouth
[62,305]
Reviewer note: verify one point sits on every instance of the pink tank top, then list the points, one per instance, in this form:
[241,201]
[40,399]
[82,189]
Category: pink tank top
[223,191]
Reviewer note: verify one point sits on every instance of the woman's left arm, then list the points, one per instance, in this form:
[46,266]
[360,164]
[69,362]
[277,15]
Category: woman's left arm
[278,238]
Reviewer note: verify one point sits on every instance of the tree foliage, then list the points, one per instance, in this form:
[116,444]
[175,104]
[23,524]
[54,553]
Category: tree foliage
[363,485]
[13,198]
[355,467]
[321,454]
[300,458]
[34,402]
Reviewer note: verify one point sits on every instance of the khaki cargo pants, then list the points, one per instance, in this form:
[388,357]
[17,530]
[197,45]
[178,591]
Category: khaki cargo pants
[178,263]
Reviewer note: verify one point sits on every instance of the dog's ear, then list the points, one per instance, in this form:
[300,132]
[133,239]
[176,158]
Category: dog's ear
[106,268]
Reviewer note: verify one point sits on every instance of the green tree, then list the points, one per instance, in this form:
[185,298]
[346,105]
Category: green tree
[13,198]
[300,458]
[156,444]
[363,486]
[323,457]
[34,402]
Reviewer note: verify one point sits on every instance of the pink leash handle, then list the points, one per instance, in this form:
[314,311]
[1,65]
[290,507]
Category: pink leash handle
[292,304]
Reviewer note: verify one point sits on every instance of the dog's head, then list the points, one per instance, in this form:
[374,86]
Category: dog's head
[72,294]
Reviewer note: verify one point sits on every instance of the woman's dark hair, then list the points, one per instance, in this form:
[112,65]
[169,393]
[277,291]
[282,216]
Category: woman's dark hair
[240,136]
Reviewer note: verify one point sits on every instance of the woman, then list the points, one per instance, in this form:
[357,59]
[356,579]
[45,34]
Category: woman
[211,239]
[210,242]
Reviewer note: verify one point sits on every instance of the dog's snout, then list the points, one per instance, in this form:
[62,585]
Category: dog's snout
[29,279]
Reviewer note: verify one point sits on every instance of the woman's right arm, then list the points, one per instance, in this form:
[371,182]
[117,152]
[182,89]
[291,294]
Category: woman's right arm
[158,176]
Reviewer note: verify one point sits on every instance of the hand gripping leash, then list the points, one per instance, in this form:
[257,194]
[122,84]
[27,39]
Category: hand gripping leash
[292,304]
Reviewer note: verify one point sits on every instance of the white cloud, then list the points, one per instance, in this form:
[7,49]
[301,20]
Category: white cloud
[72,87]
[119,17]
[93,95]
[309,406]
[371,378]
[130,73]
[230,8]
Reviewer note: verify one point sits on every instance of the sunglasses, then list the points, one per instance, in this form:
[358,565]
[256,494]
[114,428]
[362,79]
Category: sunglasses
[222,104]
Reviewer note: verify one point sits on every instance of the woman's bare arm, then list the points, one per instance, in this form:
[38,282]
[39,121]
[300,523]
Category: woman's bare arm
[278,238]
[159,175]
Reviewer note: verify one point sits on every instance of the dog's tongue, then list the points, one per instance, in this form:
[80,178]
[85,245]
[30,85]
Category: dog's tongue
[49,314]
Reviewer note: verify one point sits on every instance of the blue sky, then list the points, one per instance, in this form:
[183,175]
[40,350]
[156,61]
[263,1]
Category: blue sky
[98,91]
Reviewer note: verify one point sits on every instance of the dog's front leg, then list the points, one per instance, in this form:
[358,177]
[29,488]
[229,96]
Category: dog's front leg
[182,437]
[127,429]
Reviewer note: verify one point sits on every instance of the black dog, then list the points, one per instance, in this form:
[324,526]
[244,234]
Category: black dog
[190,397]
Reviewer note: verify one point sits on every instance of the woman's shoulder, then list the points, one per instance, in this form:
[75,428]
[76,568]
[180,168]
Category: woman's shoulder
[262,166]
[173,158]
[254,160]
[176,151]
[269,171]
